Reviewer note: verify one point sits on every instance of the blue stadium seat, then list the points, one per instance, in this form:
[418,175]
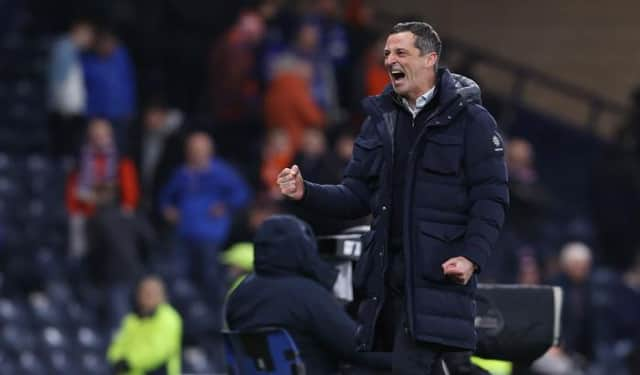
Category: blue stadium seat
[13,312]
[59,292]
[7,363]
[90,339]
[61,361]
[31,364]
[44,311]
[79,315]
[94,363]
[18,338]
[196,361]
[264,351]
[54,338]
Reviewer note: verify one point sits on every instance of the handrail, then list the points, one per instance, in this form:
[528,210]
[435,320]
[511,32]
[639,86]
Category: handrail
[596,103]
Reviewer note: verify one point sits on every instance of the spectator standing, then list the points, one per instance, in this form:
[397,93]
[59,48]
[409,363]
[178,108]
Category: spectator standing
[307,45]
[67,94]
[530,199]
[159,150]
[111,86]
[336,45]
[102,196]
[233,74]
[201,199]
[577,311]
[288,102]
[234,92]
[149,339]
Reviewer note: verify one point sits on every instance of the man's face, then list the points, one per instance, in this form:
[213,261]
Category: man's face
[84,35]
[411,74]
[154,118]
[578,269]
[100,134]
[199,150]
[150,295]
[519,155]
[308,38]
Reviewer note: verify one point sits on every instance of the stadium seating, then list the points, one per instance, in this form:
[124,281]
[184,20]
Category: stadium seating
[264,351]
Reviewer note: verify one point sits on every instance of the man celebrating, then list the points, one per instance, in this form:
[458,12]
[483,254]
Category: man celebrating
[429,165]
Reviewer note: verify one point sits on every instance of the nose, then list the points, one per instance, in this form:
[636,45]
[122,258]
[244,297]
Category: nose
[389,60]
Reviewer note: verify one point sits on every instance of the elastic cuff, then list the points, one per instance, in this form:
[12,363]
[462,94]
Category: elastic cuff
[476,256]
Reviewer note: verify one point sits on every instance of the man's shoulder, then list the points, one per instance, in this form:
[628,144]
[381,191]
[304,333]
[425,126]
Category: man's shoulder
[281,290]
[480,116]
[168,312]
[221,166]
[380,103]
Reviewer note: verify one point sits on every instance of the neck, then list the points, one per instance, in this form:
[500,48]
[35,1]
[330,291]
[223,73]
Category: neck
[200,165]
[412,97]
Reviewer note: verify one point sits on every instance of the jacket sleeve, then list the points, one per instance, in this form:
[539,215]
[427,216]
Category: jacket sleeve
[487,186]
[331,325]
[350,199]
[118,347]
[129,187]
[346,200]
[238,193]
[168,196]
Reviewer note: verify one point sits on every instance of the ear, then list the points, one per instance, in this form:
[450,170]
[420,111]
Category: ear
[430,60]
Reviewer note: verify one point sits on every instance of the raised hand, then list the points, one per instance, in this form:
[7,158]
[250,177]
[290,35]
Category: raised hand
[291,183]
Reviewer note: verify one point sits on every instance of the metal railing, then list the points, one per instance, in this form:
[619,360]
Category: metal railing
[471,56]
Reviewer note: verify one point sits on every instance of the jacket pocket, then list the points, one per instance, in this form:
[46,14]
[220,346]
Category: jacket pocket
[364,263]
[443,154]
[436,242]
[367,158]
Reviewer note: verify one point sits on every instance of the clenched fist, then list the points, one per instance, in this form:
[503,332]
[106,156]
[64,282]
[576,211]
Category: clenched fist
[291,183]
[458,269]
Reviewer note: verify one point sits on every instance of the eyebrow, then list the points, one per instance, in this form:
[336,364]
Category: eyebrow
[399,49]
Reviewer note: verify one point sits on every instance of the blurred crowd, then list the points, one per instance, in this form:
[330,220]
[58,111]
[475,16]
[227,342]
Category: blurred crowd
[164,177]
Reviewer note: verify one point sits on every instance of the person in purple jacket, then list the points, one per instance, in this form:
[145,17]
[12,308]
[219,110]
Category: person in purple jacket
[200,200]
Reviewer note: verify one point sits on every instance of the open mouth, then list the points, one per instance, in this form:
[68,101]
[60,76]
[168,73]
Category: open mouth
[397,75]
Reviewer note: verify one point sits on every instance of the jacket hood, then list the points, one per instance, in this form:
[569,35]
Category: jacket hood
[287,246]
[467,88]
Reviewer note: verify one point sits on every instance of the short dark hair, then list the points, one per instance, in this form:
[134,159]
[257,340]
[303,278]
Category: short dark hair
[427,39]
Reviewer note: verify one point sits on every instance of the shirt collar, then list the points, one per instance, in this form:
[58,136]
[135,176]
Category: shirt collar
[421,102]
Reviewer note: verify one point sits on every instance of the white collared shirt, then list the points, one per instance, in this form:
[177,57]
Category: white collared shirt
[421,102]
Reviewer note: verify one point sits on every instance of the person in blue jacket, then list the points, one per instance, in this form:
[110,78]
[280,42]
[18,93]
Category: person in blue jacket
[429,166]
[200,199]
[291,288]
[109,77]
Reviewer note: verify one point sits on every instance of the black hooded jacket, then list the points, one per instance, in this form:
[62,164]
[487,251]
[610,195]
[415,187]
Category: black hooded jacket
[291,289]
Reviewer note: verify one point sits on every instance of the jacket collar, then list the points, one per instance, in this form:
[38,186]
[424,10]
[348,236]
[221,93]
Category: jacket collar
[453,93]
